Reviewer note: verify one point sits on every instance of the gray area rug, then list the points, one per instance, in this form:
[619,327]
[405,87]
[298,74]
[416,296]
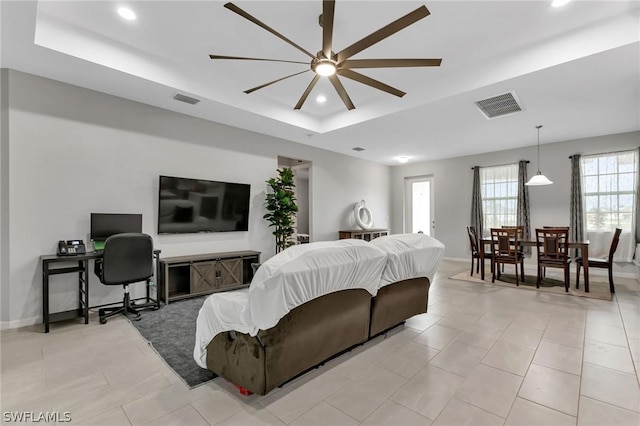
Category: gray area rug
[171,331]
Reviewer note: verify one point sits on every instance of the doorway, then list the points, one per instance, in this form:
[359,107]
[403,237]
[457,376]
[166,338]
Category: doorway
[302,175]
[419,205]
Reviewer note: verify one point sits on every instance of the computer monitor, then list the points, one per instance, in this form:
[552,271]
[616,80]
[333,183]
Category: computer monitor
[104,225]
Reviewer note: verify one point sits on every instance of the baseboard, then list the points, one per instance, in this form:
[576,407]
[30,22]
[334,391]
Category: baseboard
[457,259]
[7,325]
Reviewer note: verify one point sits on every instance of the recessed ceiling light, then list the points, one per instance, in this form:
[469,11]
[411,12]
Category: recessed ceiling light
[321,99]
[559,3]
[403,159]
[126,13]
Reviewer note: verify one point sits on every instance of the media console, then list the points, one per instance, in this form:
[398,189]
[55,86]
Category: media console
[363,234]
[198,274]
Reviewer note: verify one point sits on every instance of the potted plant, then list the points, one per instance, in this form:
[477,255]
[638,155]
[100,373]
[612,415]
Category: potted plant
[282,208]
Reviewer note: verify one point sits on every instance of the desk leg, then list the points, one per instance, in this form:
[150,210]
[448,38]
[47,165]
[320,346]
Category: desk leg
[585,265]
[83,289]
[157,281]
[86,292]
[45,297]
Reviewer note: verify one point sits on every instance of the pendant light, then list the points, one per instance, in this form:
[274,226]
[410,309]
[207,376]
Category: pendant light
[538,179]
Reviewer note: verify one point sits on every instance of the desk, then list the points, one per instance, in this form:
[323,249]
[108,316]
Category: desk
[583,246]
[51,266]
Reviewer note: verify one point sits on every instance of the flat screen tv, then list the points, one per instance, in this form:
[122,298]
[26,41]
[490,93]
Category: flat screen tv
[197,205]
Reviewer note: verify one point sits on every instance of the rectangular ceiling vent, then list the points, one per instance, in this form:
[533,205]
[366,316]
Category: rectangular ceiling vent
[186,99]
[497,106]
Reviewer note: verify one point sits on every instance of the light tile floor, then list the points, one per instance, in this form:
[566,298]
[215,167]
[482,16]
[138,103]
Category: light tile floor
[483,354]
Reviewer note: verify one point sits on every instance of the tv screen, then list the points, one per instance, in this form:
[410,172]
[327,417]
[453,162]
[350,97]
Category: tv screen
[196,205]
[104,225]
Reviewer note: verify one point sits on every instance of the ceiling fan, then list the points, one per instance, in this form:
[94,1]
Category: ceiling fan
[330,64]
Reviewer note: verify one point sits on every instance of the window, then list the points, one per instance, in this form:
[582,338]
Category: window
[609,188]
[499,186]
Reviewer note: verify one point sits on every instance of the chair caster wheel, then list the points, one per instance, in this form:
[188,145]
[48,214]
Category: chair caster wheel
[103,320]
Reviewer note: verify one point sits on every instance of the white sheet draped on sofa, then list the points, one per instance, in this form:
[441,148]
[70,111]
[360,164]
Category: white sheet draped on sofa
[308,271]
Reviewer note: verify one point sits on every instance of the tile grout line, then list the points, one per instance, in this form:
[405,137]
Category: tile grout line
[626,333]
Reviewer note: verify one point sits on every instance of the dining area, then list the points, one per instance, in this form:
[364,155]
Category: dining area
[551,247]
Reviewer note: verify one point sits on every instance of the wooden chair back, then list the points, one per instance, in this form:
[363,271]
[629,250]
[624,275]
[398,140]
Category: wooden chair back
[552,244]
[614,244]
[473,239]
[504,243]
[519,229]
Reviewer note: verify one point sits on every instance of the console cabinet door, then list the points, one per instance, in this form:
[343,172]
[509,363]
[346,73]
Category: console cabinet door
[204,277]
[230,273]
[217,275]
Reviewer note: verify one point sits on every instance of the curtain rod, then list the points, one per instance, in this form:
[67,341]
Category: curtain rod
[497,165]
[610,152]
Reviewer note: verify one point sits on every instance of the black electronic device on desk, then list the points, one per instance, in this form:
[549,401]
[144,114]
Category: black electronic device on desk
[71,247]
[104,225]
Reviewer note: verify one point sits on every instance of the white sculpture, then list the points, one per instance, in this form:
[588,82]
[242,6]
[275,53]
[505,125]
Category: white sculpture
[363,215]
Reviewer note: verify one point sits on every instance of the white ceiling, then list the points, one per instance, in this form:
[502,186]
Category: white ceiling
[576,69]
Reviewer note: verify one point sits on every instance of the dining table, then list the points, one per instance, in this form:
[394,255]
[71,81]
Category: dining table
[583,246]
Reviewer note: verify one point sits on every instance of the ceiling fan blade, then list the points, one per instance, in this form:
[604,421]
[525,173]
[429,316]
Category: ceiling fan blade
[390,63]
[274,81]
[341,92]
[383,33]
[328,10]
[232,7]
[255,59]
[307,91]
[371,82]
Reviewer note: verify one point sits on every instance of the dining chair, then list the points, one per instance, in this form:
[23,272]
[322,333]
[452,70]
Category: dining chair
[553,250]
[520,229]
[504,248]
[544,270]
[603,263]
[477,252]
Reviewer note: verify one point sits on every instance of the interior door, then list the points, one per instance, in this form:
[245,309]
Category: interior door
[419,205]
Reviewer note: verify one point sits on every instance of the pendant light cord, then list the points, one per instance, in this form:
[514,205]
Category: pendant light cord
[538,127]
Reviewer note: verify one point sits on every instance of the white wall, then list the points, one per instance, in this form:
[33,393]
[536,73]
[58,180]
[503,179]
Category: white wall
[453,179]
[74,151]
[4,195]
[302,195]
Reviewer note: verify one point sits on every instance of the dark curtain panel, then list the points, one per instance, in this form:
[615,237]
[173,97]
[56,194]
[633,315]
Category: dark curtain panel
[476,203]
[523,204]
[576,220]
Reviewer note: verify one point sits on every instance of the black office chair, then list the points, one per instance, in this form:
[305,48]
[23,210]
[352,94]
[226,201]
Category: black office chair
[127,258]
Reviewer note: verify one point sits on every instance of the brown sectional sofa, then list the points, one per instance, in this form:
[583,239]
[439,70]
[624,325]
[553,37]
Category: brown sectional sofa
[312,333]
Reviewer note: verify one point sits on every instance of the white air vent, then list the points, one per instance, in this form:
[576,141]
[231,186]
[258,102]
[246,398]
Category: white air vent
[186,99]
[500,105]
[357,148]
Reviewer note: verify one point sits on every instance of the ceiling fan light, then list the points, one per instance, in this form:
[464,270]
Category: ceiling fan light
[325,69]
[538,180]
[126,13]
